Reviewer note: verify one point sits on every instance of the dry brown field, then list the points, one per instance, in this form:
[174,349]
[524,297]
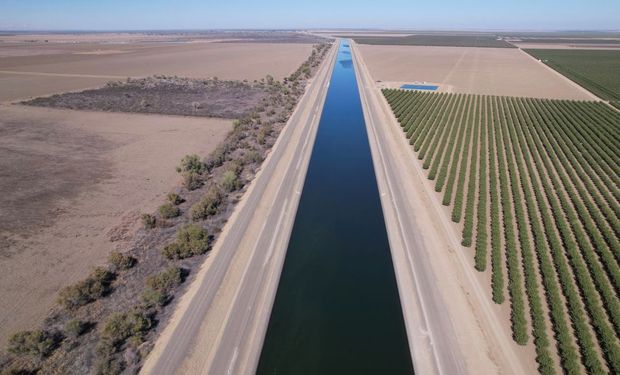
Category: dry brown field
[35,69]
[73,186]
[84,37]
[74,183]
[490,71]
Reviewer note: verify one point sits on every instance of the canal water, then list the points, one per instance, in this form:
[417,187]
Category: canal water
[337,309]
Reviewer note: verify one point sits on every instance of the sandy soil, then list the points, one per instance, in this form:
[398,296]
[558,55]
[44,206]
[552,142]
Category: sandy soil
[27,73]
[73,185]
[491,71]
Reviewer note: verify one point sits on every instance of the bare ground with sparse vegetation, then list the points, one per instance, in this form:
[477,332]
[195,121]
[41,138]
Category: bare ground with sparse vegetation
[107,323]
[165,95]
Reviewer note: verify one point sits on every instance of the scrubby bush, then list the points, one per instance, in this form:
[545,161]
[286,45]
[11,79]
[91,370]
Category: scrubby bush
[167,280]
[121,261]
[192,180]
[19,369]
[191,163]
[133,342]
[154,298]
[264,132]
[148,221]
[121,326]
[208,205]
[191,168]
[95,286]
[194,237]
[160,285]
[175,251]
[37,343]
[252,156]
[75,328]
[230,181]
[109,366]
[105,348]
[260,138]
[175,199]
[218,157]
[169,211]
[191,240]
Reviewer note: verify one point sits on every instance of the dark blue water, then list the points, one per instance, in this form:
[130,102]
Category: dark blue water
[337,309]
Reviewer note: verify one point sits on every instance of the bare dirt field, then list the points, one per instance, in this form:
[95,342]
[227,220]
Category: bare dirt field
[261,36]
[24,86]
[491,71]
[80,37]
[35,69]
[73,187]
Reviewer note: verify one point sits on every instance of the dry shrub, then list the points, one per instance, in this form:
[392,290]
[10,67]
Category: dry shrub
[95,286]
[121,261]
[191,240]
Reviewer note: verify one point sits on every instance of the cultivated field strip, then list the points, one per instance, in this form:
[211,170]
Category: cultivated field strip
[535,187]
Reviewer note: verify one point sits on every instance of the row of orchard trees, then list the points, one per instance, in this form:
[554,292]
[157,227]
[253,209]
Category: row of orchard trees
[536,185]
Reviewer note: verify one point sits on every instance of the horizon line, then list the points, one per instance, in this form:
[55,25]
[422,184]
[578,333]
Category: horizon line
[307,29]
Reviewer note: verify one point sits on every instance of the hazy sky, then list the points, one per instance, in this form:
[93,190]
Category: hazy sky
[206,14]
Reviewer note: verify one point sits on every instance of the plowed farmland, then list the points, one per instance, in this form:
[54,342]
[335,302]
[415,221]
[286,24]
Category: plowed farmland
[534,187]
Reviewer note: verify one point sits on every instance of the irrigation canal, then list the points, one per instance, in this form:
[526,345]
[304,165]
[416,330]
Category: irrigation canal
[337,309]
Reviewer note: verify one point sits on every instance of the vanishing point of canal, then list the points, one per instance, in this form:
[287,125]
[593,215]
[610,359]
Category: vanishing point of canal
[337,308]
